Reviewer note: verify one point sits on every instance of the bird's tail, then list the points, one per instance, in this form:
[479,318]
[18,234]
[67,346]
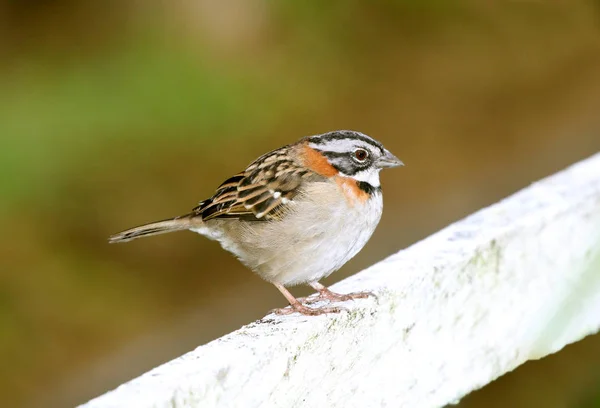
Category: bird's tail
[160,227]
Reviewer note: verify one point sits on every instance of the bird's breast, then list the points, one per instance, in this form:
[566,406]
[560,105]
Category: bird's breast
[321,231]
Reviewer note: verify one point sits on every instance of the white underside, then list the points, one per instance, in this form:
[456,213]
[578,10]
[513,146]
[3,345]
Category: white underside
[316,238]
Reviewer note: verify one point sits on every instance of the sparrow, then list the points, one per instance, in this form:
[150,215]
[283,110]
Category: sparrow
[294,215]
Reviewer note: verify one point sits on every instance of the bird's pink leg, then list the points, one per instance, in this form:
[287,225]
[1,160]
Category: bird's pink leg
[326,294]
[296,306]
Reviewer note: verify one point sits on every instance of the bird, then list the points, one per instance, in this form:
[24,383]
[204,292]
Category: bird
[294,215]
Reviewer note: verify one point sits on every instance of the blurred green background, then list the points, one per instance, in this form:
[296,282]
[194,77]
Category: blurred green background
[117,113]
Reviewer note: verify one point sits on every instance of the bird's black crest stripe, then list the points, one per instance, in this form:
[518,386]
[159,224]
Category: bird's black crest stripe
[336,135]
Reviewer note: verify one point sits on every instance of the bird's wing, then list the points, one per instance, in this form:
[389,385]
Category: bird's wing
[260,193]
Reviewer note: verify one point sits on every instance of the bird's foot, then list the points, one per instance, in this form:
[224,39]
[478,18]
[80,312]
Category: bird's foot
[336,297]
[308,311]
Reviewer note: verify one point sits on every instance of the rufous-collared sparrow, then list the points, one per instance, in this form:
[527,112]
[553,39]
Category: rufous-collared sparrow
[296,214]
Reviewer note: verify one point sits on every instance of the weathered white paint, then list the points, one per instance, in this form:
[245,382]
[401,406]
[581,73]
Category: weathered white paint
[516,281]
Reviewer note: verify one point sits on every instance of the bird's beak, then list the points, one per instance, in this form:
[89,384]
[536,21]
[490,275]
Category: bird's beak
[388,160]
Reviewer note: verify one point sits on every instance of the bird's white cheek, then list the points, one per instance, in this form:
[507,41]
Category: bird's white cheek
[370,176]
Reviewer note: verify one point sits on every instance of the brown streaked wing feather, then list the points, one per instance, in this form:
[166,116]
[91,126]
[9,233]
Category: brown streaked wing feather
[223,201]
[260,192]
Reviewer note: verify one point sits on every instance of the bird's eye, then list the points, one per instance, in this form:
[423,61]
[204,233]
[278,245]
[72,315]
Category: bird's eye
[361,155]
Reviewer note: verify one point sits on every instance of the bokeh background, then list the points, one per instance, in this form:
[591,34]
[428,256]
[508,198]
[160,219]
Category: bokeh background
[116,113]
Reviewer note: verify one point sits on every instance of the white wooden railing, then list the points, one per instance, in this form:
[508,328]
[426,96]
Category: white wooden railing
[513,282]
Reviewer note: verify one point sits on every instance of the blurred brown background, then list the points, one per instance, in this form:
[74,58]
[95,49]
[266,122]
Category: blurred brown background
[117,113]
